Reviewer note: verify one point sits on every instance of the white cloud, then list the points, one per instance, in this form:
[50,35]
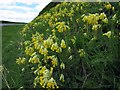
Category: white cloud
[7,7]
[11,12]
[23,1]
[17,17]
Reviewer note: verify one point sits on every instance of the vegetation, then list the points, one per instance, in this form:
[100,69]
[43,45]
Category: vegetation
[10,50]
[72,45]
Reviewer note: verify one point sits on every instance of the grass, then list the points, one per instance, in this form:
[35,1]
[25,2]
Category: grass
[12,74]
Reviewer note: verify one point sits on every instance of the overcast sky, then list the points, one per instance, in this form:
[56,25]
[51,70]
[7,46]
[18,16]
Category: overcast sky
[21,10]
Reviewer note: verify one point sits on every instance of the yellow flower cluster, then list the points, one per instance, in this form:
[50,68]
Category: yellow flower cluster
[20,60]
[94,18]
[62,27]
[40,46]
[81,52]
[109,6]
[91,19]
[29,50]
[52,84]
[46,79]
[34,58]
[53,59]
[96,27]
[56,48]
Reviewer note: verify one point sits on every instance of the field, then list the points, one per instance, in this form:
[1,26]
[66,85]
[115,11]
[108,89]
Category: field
[10,38]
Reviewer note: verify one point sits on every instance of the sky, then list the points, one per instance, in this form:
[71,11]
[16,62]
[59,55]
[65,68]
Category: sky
[21,10]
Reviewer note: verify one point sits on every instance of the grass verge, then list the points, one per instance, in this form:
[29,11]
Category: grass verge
[12,74]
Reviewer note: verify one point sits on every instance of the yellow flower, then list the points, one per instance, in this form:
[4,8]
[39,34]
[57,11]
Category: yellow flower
[62,65]
[81,52]
[20,60]
[108,34]
[54,61]
[73,40]
[105,20]
[54,47]
[95,27]
[47,43]
[70,57]
[52,84]
[62,78]
[45,51]
[35,59]
[113,8]
[69,49]
[42,70]
[29,50]
[102,16]
[91,18]
[62,27]
[63,45]
[108,6]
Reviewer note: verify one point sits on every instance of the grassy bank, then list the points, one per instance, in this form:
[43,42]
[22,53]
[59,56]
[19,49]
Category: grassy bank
[12,73]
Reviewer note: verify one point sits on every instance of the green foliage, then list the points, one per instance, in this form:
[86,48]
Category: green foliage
[11,73]
[74,45]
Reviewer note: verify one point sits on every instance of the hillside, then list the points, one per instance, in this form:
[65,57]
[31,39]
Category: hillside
[73,45]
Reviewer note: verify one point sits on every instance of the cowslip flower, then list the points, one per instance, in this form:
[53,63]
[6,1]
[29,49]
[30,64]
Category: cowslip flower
[63,45]
[51,83]
[108,34]
[105,20]
[20,60]
[96,27]
[62,65]
[102,16]
[108,6]
[62,78]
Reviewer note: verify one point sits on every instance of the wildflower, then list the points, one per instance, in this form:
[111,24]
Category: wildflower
[95,27]
[42,70]
[52,84]
[108,6]
[81,52]
[54,61]
[54,47]
[59,50]
[102,16]
[47,43]
[69,49]
[23,69]
[73,40]
[63,45]
[91,18]
[35,59]
[20,60]
[62,65]
[113,8]
[70,57]
[105,20]
[85,34]
[62,78]
[29,50]
[62,27]
[108,34]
